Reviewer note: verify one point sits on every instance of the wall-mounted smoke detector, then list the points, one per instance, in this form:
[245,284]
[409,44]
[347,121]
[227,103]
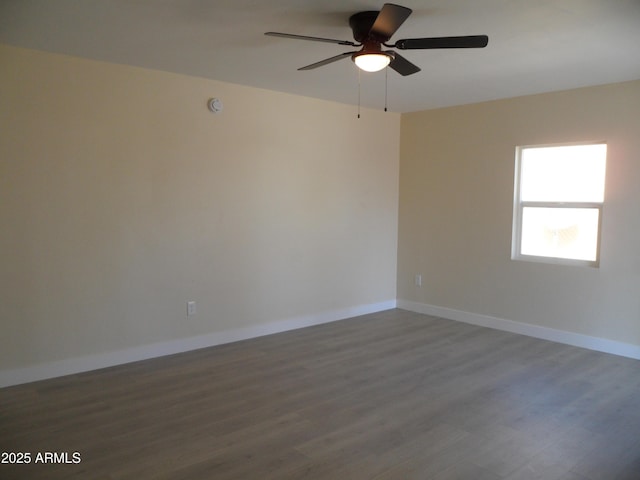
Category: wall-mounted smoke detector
[215,105]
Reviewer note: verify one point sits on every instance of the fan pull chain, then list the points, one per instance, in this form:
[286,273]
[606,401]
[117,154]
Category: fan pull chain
[358,93]
[386,82]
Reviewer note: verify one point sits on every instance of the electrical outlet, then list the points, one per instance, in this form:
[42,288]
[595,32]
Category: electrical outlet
[419,280]
[191,308]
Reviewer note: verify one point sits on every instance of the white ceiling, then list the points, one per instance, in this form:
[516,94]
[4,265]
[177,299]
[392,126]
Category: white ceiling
[534,45]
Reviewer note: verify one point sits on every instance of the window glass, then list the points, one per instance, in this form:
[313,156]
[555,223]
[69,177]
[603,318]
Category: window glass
[558,203]
[560,232]
[563,174]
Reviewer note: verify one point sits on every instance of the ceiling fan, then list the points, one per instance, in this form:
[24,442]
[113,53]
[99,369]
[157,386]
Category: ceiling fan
[371,31]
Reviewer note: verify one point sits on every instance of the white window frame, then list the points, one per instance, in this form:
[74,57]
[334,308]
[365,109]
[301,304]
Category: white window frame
[519,206]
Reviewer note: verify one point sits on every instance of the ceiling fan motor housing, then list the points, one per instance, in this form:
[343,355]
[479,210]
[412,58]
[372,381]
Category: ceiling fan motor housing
[361,24]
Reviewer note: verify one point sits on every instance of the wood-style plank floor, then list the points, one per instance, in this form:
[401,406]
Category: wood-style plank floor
[392,395]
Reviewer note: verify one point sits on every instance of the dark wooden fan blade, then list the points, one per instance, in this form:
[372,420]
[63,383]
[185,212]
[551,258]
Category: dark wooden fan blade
[403,66]
[389,20]
[327,61]
[469,41]
[312,39]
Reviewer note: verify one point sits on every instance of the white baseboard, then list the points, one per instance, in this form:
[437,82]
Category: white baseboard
[546,333]
[93,362]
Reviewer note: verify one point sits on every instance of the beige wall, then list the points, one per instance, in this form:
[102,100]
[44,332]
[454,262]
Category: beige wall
[456,199]
[122,197]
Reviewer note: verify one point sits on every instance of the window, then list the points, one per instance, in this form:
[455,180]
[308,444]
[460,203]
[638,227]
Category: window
[559,192]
